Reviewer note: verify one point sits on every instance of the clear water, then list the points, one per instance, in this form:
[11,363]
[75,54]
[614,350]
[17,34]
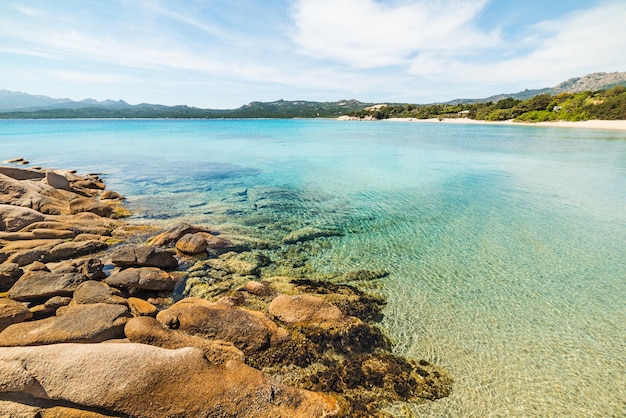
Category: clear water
[506,244]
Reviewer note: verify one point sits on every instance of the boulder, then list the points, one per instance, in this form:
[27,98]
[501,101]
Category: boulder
[92,268]
[21,173]
[90,292]
[147,330]
[41,284]
[56,180]
[50,307]
[139,380]
[140,307]
[258,288]
[14,218]
[111,195]
[147,278]
[86,204]
[33,194]
[79,323]
[191,244]
[73,249]
[9,274]
[12,312]
[170,236]
[52,234]
[250,331]
[305,310]
[144,256]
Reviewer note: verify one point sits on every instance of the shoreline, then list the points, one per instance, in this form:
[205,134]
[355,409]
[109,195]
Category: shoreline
[615,125]
[83,286]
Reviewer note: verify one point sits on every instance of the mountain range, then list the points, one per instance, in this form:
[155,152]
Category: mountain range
[22,105]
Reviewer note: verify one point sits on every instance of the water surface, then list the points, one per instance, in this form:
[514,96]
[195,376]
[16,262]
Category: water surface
[505,244]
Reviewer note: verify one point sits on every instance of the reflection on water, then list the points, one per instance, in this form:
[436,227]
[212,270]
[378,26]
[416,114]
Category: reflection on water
[505,245]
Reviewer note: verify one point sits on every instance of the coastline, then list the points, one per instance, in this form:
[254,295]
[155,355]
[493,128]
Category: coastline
[618,125]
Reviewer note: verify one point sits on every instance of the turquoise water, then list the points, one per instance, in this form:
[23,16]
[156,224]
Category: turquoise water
[506,244]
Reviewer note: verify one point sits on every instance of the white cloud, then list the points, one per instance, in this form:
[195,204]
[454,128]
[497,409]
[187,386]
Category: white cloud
[574,45]
[368,33]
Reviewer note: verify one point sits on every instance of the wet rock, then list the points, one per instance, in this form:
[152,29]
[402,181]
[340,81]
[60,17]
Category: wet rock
[147,278]
[191,244]
[14,218]
[309,233]
[58,181]
[248,330]
[140,307]
[85,204]
[148,330]
[90,292]
[111,195]
[41,284]
[79,323]
[173,234]
[12,312]
[9,273]
[305,310]
[144,256]
[130,382]
[259,288]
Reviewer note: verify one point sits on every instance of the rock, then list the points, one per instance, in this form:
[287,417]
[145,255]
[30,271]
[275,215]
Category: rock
[258,288]
[147,278]
[170,236]
[50,307]
[305,310]
[364,275]
[86,204]
[90,292]
[79,323]
[89,183]
[148,330]
[309,233]
[12,312]
[34,195]
[9,273]
[139,380]
[40,284]
[21,173]
[111,195]
[245,264]
[144,256]
[191,244]
[14,218]
[92,268]
[140,307]
[56,180]
[249,331]
[74,249]
[52,234]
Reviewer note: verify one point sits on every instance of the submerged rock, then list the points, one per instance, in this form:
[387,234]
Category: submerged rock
[309,233]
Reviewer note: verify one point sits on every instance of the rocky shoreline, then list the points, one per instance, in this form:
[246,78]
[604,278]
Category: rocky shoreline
[102,318]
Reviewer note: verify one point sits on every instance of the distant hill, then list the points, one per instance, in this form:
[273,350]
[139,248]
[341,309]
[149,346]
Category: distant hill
[21,106]
[18,105]
[592,82]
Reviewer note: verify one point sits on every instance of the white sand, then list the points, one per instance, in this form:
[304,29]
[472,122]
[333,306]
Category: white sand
[619,125]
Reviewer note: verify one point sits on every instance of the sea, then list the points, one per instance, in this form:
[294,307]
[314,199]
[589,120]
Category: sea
[505,245]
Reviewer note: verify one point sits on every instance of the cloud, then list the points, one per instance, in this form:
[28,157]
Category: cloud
[578,43]
[369,33]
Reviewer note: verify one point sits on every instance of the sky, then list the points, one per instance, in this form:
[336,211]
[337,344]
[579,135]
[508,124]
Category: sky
[226,53]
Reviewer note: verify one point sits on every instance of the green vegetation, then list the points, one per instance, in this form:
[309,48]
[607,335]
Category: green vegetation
[603,104]
[277,109]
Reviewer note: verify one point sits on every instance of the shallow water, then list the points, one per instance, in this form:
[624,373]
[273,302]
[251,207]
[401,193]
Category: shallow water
[506,244]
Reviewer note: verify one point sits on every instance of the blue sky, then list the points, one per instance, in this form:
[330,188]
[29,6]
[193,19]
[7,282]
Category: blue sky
[226,53]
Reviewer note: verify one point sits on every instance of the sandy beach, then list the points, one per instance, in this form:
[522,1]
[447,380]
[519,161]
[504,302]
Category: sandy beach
[619,125]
